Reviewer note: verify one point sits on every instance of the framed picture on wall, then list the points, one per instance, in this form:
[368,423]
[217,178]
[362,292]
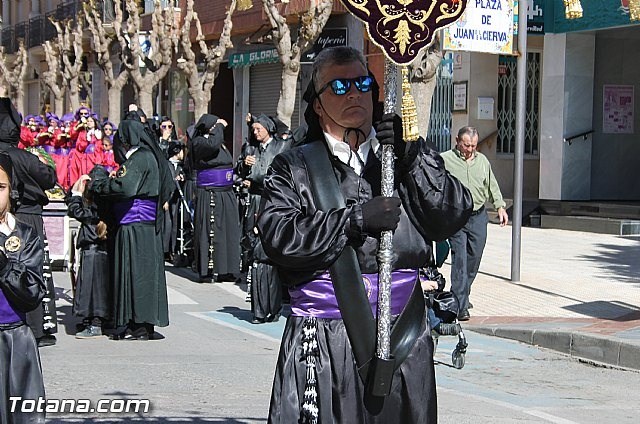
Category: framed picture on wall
[459,96]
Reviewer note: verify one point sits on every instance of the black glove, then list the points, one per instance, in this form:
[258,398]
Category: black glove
[389,131]
[380,214]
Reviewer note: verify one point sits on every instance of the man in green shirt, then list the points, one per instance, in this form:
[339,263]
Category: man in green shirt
[473,170]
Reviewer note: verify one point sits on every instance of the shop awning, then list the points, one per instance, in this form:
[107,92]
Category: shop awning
[238,60]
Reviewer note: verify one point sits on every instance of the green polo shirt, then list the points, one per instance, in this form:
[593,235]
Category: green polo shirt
[476,175]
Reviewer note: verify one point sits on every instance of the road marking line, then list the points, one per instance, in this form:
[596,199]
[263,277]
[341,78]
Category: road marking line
[524,410]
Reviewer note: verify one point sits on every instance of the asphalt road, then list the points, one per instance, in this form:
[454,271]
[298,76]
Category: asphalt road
[213,366]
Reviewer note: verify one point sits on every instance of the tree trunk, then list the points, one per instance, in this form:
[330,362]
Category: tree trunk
[287,100]
[145,100]
[58,105]
[423,96]
[115,100]
[20,101]
[74,96]
[201,101]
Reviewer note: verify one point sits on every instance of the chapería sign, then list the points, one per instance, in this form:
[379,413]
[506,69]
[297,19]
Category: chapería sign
[485,26]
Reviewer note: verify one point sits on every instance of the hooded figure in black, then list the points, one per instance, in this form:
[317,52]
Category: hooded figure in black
[217,225]
[140,290]
[33,177]
[21,290]
[266,288]
[320,221]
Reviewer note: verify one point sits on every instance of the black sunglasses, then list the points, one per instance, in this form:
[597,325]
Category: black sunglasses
[341,86]
[166,126]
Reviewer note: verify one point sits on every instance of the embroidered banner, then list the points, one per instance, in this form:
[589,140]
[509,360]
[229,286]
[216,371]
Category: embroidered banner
[401,28]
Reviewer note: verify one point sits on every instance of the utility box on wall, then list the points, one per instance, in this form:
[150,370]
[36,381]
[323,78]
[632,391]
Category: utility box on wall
[485,108]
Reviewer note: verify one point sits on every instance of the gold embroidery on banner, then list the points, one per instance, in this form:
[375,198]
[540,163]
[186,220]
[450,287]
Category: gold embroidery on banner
[360,5]
[403,23]
[12,244]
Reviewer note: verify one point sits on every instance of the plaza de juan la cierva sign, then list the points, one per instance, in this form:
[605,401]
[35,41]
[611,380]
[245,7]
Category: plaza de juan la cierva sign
[401,28]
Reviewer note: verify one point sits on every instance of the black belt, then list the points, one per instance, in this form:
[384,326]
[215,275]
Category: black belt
[477,211]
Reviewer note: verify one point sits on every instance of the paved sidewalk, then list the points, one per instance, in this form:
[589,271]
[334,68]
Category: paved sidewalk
[579,293]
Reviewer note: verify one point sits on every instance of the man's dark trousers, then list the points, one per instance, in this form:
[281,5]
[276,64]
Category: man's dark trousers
[467,246]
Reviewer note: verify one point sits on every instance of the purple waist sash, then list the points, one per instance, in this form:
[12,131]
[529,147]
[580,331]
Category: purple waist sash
[8,315]
[49,149]
[62,151]
[219,177]
[317,297]
[136,210]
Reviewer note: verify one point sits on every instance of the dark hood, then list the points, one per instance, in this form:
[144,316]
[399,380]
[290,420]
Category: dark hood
[133,133]
[205,123]
[266,122]
[9,122]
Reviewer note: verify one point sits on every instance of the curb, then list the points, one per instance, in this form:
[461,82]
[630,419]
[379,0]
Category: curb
[575,344]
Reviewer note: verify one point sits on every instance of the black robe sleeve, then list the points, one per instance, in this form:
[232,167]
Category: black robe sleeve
[292,235]
[21,272]
[132,180]
[77,210]
[435,201]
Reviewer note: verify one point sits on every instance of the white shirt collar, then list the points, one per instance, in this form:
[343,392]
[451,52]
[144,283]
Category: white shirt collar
[131,151]
[9,225]
[343,152]
[264,144]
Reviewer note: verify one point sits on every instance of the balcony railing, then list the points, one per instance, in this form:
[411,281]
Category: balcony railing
[36,31]
[9,40]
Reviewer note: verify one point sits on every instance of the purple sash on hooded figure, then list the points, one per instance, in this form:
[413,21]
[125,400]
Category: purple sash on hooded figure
[317,297]
[135,210]
[215,177]
[8,314]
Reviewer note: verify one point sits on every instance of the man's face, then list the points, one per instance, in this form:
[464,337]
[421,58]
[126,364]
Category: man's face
[260,133]
[353,109]
[467,145]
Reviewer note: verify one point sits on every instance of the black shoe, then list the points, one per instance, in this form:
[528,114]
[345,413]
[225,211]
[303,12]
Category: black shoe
[206,280]
[47,340]
[273,318]
[464,315]
[470,306]
[258,320]
[137,334]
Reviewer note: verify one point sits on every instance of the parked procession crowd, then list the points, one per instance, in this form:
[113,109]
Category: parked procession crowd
[143,196]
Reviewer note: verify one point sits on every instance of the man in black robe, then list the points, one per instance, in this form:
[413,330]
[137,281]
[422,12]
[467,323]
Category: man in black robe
[310,241]
[140,289]
[266,290]
[33,176]
[217,225]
